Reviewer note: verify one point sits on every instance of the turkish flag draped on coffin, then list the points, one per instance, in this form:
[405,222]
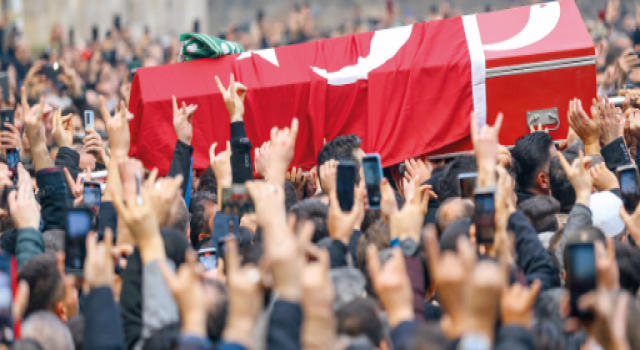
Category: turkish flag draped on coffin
[405,91]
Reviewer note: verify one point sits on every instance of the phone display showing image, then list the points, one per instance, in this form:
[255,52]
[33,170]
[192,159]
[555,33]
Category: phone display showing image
[236,201]
[89,120]
[629,188]
[6,116]
[7,335]
[484,216]
[51,71]
[345,186]
[372,177]
[580,262]
[92,195]
[13,158]
[4,84]
[208,258]
[467,182]
[79,222]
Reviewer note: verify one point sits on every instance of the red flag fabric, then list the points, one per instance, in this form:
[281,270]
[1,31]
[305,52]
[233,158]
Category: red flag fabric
[405,91]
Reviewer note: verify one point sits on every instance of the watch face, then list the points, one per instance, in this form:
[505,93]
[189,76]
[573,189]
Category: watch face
[409,247]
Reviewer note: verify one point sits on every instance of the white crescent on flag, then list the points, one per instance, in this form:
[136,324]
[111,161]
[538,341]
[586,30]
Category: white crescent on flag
[385,44]
[267,54]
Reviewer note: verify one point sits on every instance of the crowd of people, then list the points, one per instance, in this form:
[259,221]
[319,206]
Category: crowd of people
[297,270]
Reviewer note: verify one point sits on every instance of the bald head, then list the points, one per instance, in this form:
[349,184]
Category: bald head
[453,209]
[46,328]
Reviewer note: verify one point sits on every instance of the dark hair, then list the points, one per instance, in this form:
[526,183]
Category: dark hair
[547,336]
[208,181]
[27,344]
[561,187]
[316,211]
[244,237]
[217,313]
[377,234]
[76,327]
[448,185]
[370,218]
[530,156]
[45,283]
[290,195]
[360,317]
[197,208]
[342,149]
[541,212]
[180,220]
[53,240]
[427,335]
[628,259]
[455,230]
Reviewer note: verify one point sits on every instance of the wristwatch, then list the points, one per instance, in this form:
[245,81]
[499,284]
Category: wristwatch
[409,247]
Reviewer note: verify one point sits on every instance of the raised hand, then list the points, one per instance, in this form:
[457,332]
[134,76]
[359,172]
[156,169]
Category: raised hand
[609,327]
[517,304]
[485,144]
[579,177]
[188,292]
[328,173]
[609,121]
[282,147]
[407,222]
[77,186]
[182,120]
[632,223]
[62,129]
[342,224]
[268,200]
[588,130]
[23,206]
[117,128]
[163,193]
[69,77]
[298,180]
[233,98]
[10,138]
[417,168]
[245,297]
[392,285]
[261,159]
[93,145]
[603,179]
[388,203]
[607,265]
[98,266]
[221,165]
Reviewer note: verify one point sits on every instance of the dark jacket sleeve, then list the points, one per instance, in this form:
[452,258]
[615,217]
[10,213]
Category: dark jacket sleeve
[514,338]
[53,191]
[338,254]
[284,326]
[192,343]
[241,164]
[102,329]
[415,270]
[532,258]
[108,218]
[181,163]
[616,154]
[28,245]
[70,159]
[229,346]
[353,246]
[402,333]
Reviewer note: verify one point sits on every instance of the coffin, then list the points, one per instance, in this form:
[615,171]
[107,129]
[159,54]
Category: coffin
[406,91]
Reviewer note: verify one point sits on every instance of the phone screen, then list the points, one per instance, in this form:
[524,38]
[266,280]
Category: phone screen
[581,273]
[13,158]
[92,195]
[372,177]
[6,116]
[6,299]
[346,182]
[89,120]
[236,201]
[629,189]
[78,225]
[467,184]
[484,217]
[208,258]
[4,83]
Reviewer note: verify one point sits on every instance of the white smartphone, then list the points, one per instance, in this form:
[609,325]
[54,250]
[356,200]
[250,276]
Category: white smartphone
[88,120]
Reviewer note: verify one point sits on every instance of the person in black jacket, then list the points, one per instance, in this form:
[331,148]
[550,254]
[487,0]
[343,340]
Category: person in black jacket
[532,156]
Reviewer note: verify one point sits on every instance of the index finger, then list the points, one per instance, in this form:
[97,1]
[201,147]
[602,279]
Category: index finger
[220,86]
[232,86]
[433,249]
[70,181]
[498,123]
[231,257]
[175,103]
[105,112]
[563,162]
[373,262]
[294,128]
[533,291]
[474,127]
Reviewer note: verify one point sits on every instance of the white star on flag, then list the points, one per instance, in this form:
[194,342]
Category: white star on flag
[267,54]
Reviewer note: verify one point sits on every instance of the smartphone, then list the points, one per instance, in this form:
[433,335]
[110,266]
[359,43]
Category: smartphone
[346,184]
[51,71]
[629,189]
[208,258]
[7,335]
[13,158]
[133,67]
[78,224]
[5,195]
[467,183]
[4,83]
[580,262]
[92,195]
[94,33]
[117,22]
[236,201]
[372,176]
[6,116]
[484,216]
[89,120]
